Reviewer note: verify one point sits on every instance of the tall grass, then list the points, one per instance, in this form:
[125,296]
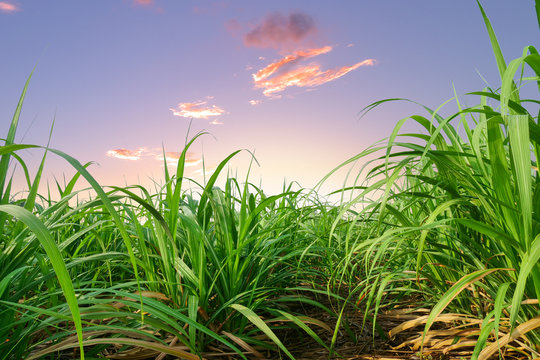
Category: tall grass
[149,270]
[447,219]
[458,222]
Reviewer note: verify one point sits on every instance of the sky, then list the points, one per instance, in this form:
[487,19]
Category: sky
[127,81]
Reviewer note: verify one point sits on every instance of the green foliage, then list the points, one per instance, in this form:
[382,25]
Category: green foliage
[460,206]
[204,259]
[448,217]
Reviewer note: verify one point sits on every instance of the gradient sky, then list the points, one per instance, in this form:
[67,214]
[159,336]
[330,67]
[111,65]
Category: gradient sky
[283,79]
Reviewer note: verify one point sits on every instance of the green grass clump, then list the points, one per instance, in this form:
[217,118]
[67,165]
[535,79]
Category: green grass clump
[136,268]
[458,221]
[147,268]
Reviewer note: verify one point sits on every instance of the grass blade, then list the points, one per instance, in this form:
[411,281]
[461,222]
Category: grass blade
[257,321]
[57,262]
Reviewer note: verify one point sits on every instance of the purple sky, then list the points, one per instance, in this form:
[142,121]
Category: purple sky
[283,79]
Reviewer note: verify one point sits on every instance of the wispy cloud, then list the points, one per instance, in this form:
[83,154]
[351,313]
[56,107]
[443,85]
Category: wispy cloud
[197,110]
[216,122]
[254,102]
[126,154]
[291,71]
[143,2]
[289,59]
[172,158]
[278,30]
[7,7]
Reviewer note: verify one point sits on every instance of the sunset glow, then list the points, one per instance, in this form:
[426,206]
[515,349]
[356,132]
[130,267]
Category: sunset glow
[226,179]
[124,80]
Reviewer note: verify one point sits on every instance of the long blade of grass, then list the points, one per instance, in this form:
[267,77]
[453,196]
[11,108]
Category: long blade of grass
[529,263]
[124,341]
[57,262]
[110,208]
[537,8]
[301,322]
[451,294]
[174,197]
[257,321]
[519,331]
[4,160]
[499,58]
[193,304]
[518,132]
[71,184]
[203,203]
[486,329]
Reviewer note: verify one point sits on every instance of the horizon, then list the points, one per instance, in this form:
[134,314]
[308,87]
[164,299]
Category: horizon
[125,80]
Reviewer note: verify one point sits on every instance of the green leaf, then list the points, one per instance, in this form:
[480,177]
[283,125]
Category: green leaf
[256,320]
[57,262]
[501,64]
[4,160]
[518,132]
[530,261]
[451,294]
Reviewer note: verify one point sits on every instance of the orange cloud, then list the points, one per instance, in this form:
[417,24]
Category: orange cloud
[278,30]
[125,154]
[8,7]
[289,59]
[286,72]
[172,158]
[197,110]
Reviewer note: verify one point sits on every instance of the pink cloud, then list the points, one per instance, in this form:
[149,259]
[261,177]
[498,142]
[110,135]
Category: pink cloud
[289,71]
[277,30]
[125,154]
[8,7]
[197,110]
[254,102]
[143,2]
